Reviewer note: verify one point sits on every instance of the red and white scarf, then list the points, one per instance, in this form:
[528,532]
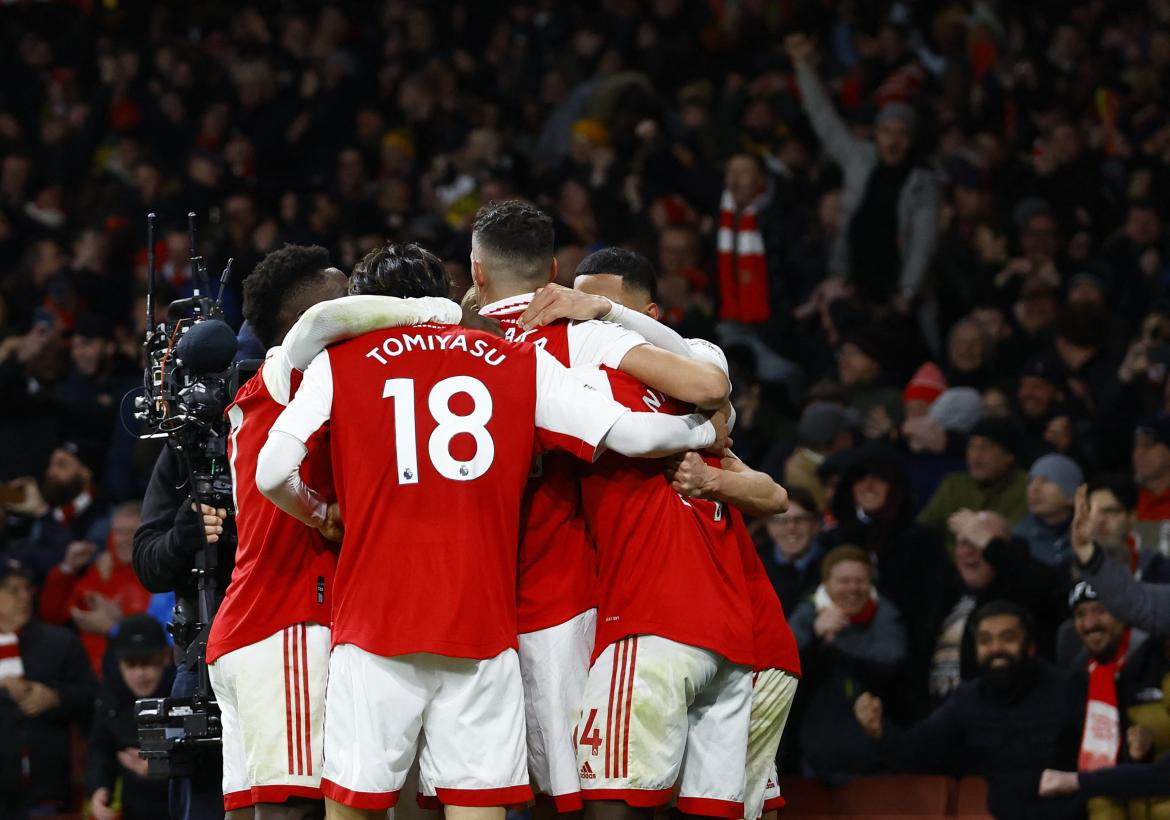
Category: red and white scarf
[821,600]
[11,665]
[1101,741]
[66,513]
[743,270]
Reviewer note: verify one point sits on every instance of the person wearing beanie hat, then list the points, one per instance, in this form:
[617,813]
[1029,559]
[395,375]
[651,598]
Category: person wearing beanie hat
[926,385]
[1052,487]
[992,481]
[825,428]
[138,665]
[957,410]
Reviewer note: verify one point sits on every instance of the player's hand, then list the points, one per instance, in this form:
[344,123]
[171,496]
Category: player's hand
[720,419]
[1054,783]
[37,699]
[690,475]
[868,711]
[332,527]
[99,805]
[77,556]
[1140,741]
[829,622]
[213,519]
[1081,529]
[130,761]
[553,302]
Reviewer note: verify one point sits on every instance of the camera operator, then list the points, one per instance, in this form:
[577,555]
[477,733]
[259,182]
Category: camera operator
[165,548]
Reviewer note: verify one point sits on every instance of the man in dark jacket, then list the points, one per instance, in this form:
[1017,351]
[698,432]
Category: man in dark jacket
[165,547]
[44,689]
[873,510]
[1016,718]
[144,670]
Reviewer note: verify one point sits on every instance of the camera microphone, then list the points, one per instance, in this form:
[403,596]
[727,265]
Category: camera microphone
[208,347]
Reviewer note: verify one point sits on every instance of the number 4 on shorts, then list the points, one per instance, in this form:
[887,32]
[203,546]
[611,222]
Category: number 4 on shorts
[591,736]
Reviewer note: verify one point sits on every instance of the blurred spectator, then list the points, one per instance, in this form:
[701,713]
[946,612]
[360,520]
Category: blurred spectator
[95,597]
[793,554]
[890,204]
[65,508]
[866,378]
[45,690]
[1052,485]
[1118,670]
[937,442]
[1016,718]
[115,778]
[1151,467]
[850,640]
[873,511]
[993,481]
[1112,501]
[824,430]
[991,565]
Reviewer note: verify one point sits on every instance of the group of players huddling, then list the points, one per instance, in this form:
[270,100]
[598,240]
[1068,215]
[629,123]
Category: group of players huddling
[508,555]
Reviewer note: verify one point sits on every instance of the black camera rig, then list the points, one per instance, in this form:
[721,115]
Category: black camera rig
[189,380]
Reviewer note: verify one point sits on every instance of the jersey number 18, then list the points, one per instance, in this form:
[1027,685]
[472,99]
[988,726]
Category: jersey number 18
[401,391]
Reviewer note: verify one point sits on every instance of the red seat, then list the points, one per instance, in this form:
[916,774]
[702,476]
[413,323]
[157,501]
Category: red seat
[905,794]
[874,797]
[971,799]
[805,798]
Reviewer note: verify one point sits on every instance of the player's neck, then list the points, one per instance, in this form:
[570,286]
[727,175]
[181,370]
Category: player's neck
[490,294]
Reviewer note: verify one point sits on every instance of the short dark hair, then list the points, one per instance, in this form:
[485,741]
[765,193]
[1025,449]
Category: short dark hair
[278,276]
[400,270]
[1122,486]
[635,269]
[1004,607]
[520,235]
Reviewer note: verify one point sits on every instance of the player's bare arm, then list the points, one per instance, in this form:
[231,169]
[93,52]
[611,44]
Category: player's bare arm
[327,322]
[734,483]
[639,435]
[661,364]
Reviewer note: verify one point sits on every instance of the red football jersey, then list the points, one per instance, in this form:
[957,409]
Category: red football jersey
[662,567]
[284,570]
[432,433]
[557,574]
[774,644]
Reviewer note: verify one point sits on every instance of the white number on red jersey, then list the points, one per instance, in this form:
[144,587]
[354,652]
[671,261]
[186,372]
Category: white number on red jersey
[450,425]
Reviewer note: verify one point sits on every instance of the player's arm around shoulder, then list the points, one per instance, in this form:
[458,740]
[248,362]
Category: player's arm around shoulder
[695,382]
[577,417]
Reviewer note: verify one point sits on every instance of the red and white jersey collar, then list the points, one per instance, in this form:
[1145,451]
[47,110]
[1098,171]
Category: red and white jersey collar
[509,305]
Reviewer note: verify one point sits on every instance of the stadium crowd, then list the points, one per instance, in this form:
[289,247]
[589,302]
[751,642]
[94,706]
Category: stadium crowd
[927,236]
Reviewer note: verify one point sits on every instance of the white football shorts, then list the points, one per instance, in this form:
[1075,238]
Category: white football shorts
[470,713]
[271,698]
[772,694]
[554,664]
[657,712]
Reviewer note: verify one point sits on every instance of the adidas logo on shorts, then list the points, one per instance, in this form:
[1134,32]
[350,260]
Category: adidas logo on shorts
[587,771]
